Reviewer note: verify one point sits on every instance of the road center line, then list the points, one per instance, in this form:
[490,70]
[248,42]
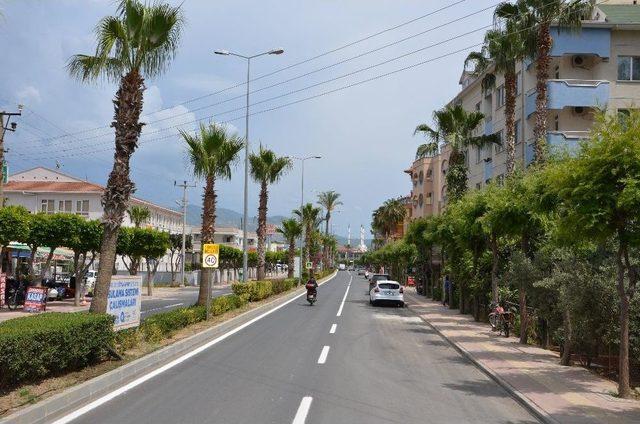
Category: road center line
[345,297]
[303,410]
[323,355]
[333,328]
[109,396]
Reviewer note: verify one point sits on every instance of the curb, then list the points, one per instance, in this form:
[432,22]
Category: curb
[90,390]
[542,415]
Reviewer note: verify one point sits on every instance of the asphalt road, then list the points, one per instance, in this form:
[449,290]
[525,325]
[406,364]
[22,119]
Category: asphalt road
[380,365]
[186,296]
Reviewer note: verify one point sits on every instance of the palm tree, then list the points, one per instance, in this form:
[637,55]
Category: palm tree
[310,219]
[387,217]
[137,43]
[211,152]
[266,168]
[454,126]
[290,230]
[138,215]
[502,49]
[534,19]
[329,201]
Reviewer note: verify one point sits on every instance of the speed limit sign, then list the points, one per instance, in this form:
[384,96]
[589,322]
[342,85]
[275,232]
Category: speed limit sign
[210,255]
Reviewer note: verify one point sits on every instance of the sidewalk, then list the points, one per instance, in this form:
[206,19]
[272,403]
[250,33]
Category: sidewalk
[555,393]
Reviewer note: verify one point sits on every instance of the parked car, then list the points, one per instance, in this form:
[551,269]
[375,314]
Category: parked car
[387,291]
[90,280]
[377,277]
[342,267]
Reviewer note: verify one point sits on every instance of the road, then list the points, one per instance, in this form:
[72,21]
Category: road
[180,298]
[339,361]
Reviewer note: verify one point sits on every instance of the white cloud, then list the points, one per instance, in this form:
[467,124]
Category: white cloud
[29,95]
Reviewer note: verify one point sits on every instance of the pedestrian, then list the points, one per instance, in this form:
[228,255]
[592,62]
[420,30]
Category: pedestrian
[447,289]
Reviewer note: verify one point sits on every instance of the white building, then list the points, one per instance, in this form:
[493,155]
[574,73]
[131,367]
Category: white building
[49,191]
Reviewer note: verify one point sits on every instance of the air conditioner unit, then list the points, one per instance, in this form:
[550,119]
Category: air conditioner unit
[579,110]
[580,61]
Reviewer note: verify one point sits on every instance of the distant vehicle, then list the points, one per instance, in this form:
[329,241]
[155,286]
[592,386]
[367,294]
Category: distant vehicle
[90,280]
[388,292]
[342,267]
[361,271]
[377,277]
[367,274]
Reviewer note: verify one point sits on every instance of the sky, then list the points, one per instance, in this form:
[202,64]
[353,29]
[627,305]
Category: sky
[362,129]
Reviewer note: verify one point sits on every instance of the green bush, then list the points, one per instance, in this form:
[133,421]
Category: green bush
[162,325]
[281,286]
[257,290]
[38,346]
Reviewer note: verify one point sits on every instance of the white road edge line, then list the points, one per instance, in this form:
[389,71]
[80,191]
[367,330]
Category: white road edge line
[345,297]
[109,396]
[323,355]
[303,410]
[333,328]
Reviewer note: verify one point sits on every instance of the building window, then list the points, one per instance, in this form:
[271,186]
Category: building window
[628,68]
[517,129]
[518,83]
[48,206]
[500,147]
[478,186]
[82,207]
[500,97]
[556,72]
[421,177]
[429,198]
[556,122]
[65,206]
[429,173]
[478,154]
[478,107]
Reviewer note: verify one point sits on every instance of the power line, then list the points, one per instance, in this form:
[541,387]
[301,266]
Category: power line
[289,66]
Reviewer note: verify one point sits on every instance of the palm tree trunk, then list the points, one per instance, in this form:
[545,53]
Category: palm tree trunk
[207,231]
[509,112]
[127,110]
[291,258]
[542,75]
[262,229]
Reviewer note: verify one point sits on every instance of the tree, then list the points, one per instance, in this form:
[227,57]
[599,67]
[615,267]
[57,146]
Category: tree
[533,19]
[136,44]
[310,219]
[175,246]
[154,245]
[38,225]
[14,226]
[290,230]
[454,127]
[329,200]
[266,168]
[138,215]
[387,217]
[211,151]
[502,49]
[598,198]
[129,247]
[56,233]
[83,238]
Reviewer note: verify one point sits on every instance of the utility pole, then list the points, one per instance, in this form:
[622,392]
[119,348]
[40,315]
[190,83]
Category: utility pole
[184,203]
[4,127]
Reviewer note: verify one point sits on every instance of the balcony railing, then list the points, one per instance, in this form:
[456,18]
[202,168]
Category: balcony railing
[488,127]
[566,140]
[571,93]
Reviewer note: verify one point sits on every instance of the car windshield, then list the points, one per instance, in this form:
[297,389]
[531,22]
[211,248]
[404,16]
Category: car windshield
[393,286]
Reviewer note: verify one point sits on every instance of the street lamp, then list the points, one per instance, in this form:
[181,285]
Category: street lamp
[302,160]
[246,153]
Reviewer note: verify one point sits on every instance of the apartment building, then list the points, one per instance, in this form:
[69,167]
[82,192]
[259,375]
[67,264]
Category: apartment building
[595,68]
[429,189]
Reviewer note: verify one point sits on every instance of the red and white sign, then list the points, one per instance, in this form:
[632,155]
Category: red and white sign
[411,281]
[36,299]
[3,288]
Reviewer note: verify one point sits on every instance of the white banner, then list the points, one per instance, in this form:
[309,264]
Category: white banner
[124,301]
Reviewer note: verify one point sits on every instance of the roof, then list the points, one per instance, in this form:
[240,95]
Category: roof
[621,13]
[53,186]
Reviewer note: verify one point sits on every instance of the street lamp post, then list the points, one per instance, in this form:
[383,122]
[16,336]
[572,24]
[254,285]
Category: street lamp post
[246,153]
[302,160]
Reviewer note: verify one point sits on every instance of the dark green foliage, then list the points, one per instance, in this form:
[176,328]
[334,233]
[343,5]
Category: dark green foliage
[39,346]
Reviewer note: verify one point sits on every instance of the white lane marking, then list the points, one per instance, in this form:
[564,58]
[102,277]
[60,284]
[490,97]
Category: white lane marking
[333,328]
[345,297]
[323,355]
[303,410]
[162,307]
[109,396]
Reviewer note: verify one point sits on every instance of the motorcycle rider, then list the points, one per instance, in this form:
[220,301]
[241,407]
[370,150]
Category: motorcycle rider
[311,286]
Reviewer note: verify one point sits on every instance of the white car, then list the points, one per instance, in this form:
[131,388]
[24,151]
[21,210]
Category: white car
[387,291]
[367,274]
[90,280]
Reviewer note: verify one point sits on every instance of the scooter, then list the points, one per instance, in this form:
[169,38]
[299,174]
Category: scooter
[311,297]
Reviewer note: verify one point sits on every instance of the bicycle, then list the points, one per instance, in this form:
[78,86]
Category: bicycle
[500,320]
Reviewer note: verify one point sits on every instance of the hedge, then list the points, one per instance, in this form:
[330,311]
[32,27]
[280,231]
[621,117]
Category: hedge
[258,290]
[37,346]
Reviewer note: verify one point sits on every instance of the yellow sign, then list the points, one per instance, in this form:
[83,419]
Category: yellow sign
[210,255]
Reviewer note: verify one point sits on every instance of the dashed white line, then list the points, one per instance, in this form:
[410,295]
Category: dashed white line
[303,410]
[333,328]
[323,355]
[345,297]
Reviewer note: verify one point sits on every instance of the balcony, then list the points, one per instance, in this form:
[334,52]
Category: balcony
[571,93]
[488,169]
[568,141]
[588,41]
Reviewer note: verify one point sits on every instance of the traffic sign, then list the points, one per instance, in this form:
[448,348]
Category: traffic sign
[210,255]
[309,265]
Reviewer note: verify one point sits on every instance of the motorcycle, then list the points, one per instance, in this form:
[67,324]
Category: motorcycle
[311,298]
[15,294]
